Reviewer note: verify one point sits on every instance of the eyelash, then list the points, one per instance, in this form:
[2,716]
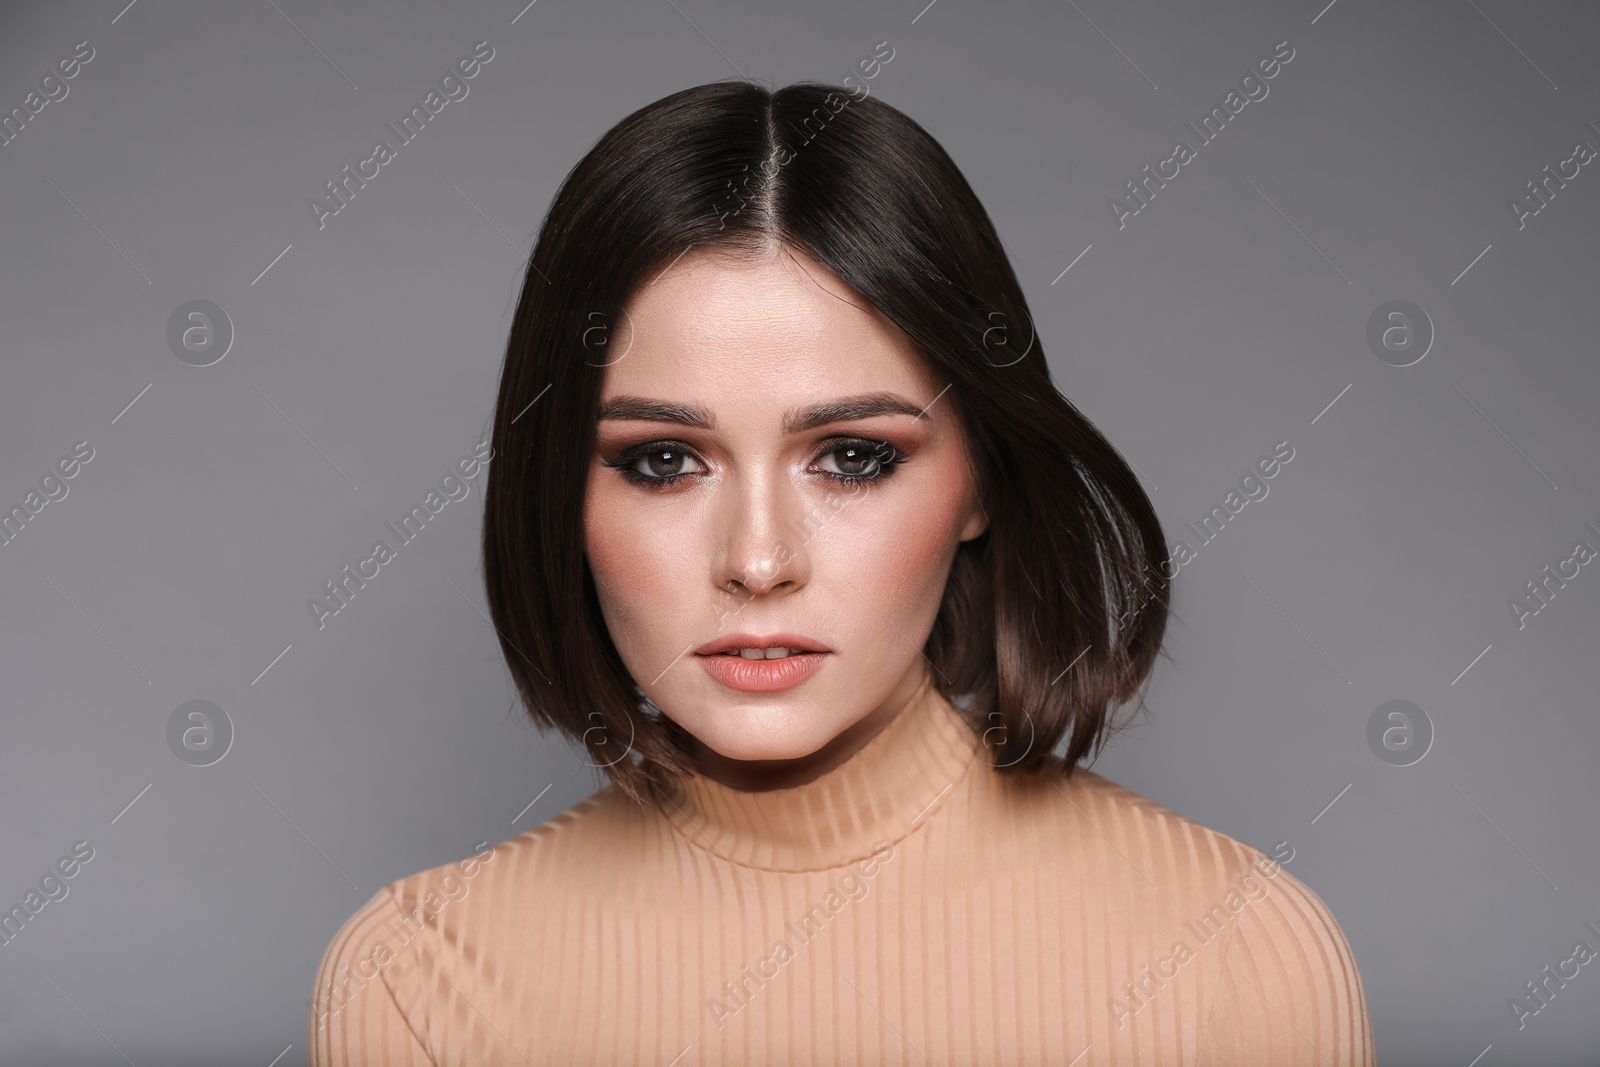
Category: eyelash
[889,458]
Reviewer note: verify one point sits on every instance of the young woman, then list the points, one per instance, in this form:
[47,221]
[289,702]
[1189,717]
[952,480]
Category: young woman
[789,528]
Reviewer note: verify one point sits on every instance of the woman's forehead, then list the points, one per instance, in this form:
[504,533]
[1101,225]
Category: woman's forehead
[718,326]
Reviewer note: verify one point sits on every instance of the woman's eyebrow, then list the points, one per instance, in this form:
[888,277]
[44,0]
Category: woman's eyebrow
[866,406]
[637,407]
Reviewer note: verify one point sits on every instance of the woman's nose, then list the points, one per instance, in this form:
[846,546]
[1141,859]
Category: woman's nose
[765,529]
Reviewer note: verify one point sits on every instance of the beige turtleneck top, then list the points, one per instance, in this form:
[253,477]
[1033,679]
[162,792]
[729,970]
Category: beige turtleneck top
[912,906]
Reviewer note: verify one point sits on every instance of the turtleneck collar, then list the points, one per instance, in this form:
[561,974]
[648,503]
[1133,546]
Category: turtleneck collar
[884,791]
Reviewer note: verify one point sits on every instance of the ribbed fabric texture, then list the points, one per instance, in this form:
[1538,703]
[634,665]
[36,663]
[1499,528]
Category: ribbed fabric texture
[912,906]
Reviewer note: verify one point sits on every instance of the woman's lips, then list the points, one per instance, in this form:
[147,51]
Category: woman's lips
[762,675]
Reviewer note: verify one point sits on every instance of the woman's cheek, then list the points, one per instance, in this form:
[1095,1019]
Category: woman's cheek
[641,574]
[926,552]
[902,548]
[627,610]
[623,580]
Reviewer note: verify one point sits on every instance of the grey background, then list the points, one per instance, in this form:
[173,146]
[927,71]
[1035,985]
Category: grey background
[1224,318]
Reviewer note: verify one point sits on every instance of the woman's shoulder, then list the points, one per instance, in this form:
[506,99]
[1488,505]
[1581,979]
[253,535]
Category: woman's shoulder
[1165,868]
[569,847]
[1212,872]
[1275,962]
[370,980]
[1151,839]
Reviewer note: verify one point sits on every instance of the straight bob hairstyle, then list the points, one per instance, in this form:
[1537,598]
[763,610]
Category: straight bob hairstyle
[1071,571]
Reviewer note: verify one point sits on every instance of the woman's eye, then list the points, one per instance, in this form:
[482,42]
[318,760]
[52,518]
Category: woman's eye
[661,464]
[858,459]
[665,463]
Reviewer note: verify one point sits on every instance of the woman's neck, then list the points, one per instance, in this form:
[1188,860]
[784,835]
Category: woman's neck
[858,799]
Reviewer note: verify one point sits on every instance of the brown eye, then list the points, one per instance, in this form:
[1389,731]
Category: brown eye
[665,463]
[864,460]
[656,464]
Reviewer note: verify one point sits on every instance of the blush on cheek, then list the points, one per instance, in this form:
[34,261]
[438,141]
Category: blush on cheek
[626,610]
[912,548]
[637,581]
[616,536]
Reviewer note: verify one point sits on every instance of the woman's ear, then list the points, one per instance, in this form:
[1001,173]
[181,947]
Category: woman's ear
[976,522]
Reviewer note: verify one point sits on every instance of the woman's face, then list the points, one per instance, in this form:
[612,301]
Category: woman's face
[776,495]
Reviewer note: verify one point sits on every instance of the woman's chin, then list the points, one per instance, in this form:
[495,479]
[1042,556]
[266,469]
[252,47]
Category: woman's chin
[754,739]
[752,751]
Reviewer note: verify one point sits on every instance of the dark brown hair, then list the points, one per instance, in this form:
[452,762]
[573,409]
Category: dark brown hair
[1072,566]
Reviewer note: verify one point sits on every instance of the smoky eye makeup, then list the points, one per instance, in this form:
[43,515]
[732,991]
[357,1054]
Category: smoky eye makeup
[663,463]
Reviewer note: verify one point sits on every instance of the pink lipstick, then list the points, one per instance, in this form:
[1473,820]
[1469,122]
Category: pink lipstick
[768,664]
